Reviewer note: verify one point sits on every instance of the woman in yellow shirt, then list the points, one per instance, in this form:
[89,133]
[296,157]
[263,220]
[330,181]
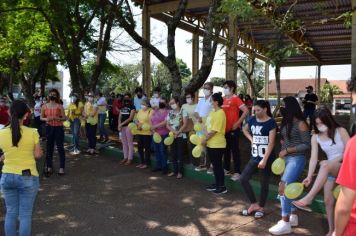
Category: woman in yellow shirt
[143,121]
[216,142]
[75,111]
[19,181]
[90,115]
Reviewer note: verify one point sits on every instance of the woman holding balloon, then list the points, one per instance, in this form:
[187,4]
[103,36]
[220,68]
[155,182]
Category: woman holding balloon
[216,143]
[127,114]
[261,131]
[143,122]
[295,141]
[332,139]
[176,123]
[160,132]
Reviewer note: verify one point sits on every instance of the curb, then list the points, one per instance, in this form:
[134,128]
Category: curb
[317,205]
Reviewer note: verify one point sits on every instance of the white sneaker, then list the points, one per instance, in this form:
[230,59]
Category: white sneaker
[226,172]
[75,152]
[280,228]
[200,168]
[293,220]
[235,177]
[210,171]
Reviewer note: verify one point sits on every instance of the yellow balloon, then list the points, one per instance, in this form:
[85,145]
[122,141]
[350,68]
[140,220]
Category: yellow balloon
[198,127]
[66,124]
[146,127]
[336,191]
[168,141]
[171,134]
[194,139]
[133,131]
[196,152]
[157,138]
[132,125]
[201,137]
[293,190]
[278,166]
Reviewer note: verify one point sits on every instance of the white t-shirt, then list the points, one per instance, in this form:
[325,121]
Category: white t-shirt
[101,103]
[155,101]
[203,107]
[37,108]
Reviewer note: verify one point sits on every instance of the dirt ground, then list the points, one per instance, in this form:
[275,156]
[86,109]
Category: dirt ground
[100,197]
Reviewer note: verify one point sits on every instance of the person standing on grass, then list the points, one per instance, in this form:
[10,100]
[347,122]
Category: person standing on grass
[102,106]
[19,181]
[216,143]
[331,138]
[295,140]
[144,136]
[90,115]
[53,114]
[232,107]
[345,209]
[201,112]
[75,111]
[190,107]
[158,121]
[126,116]
[176,123]
[261,132]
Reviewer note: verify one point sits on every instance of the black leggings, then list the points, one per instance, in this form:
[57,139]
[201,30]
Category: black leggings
[144,148]
[232,147]
[215,155]
[177,155]
[250,169]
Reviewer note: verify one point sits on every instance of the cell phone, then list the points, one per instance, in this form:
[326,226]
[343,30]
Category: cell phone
[26,172]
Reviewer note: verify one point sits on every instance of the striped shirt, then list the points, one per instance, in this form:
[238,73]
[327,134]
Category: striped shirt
[53,112]
[298,139]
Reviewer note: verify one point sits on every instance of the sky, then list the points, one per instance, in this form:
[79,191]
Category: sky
[184,52]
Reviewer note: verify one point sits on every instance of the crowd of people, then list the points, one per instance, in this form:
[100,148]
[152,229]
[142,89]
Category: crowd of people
[222,117]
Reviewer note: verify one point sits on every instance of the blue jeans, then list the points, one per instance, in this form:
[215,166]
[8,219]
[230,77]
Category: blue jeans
[75,128]
[20,194]
[101,125]
[161,155]
[293,171]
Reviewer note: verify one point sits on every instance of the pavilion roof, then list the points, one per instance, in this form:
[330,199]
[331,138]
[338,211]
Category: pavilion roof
[329,39]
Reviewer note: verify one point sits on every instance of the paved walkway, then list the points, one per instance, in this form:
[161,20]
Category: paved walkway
[99,197]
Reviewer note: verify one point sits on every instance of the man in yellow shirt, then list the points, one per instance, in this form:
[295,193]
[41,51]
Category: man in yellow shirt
[216,142]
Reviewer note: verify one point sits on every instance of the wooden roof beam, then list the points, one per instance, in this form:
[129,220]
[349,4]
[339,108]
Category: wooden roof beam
[173,5]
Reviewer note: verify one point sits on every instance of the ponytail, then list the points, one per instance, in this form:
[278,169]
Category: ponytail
[18,110]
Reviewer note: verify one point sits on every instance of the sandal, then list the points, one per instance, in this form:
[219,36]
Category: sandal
[301,206]
[259,214]
[48,172]
[123,161]
[246,213]
[128,163]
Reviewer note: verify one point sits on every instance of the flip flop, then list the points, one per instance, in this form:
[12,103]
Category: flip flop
[259,214]
[301,206]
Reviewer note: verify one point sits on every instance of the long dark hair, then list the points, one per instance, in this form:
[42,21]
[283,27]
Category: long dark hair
[291,110]
[264,104]
[327,119]
[18,110]
[58,100]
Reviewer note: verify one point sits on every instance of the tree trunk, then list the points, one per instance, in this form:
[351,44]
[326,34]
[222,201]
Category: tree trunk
[277,72]
[252,85]
[176,81]
[27,86]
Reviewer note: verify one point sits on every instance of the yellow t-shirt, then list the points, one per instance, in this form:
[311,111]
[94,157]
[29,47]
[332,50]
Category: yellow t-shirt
[88,109]
[75,111]
[144,117]
[216,121]
[21,157]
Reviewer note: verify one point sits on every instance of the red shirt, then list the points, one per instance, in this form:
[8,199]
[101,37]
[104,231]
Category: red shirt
[347,178]
[231,108]
[116,104]
[249,104]
[4,115]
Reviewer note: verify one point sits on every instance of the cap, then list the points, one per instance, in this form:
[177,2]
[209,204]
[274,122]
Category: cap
[309,87]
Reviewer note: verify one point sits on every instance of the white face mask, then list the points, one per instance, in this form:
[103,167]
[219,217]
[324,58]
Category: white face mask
[74,99]
[143,107]
[323,128]
[227,91]
[90,99]
[155,95]
[206,92]
[174,106]
[189,100]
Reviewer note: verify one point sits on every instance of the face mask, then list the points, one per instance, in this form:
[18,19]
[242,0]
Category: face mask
[126,102]
[139,95]
[52,98]
[143,107]
[155,95]
[162,105]
[323,128]
[174,106]
[227,91]
[206,92]
[282,110]
[189,100]
[90,99]
[74,99]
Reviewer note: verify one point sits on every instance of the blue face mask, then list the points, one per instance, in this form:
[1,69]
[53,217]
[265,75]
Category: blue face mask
[354,109]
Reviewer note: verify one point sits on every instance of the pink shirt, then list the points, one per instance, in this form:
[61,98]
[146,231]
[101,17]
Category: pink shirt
[157,117]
